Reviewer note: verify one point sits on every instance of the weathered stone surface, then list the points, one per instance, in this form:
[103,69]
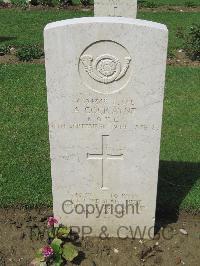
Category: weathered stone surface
[115,8]
[105,85]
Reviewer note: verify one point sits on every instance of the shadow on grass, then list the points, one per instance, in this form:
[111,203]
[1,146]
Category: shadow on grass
[7,38]
[174,183]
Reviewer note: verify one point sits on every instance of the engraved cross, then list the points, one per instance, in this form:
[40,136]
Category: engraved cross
[103,156]
[115,5]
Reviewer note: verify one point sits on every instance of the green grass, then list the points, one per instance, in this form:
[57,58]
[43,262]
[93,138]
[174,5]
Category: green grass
[27,26]
[160,2]
[172,2]
[179,183]
[25,164]
[174,22]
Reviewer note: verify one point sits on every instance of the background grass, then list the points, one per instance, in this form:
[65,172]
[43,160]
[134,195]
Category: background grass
[27,26]
[179,184]
[25,164]
[160,2]
[174,22]
[171,2]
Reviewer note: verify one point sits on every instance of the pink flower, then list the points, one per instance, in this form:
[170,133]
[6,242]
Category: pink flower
[51,221]
[47,251]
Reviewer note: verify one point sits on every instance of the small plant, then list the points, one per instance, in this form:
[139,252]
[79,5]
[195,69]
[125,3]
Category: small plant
[85,2]
[170,54]
[149,4]
[59,249]
[29,53]
[4,50]
[19,3]
[190,4]
[192,42]
[4,4]
[141,3]
[34,2]
[180,32]
[66,3]
[48,2]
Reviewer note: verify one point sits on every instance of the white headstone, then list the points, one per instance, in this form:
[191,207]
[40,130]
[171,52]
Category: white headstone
[105,84]
[115,8]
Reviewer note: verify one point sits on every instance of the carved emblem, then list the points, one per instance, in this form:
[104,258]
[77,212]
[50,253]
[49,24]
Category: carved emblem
[105,68]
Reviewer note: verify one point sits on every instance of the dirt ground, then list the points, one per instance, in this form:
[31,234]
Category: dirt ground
[22,232]
[12,59]
[179,59]
[91,7]
[178,9]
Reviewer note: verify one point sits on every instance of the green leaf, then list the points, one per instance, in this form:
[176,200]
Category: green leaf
[56,245]
[69,252]
[39,256]
[63,232]
[51,233]
[57,261]
[56,231]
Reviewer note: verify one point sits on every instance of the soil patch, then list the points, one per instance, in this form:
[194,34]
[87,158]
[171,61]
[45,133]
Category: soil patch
[91,7]
[179,59]
[12,59]
[43,7]
[179,9]
[23,231]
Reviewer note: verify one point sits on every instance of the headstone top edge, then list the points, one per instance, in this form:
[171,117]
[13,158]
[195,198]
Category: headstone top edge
[117,20]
